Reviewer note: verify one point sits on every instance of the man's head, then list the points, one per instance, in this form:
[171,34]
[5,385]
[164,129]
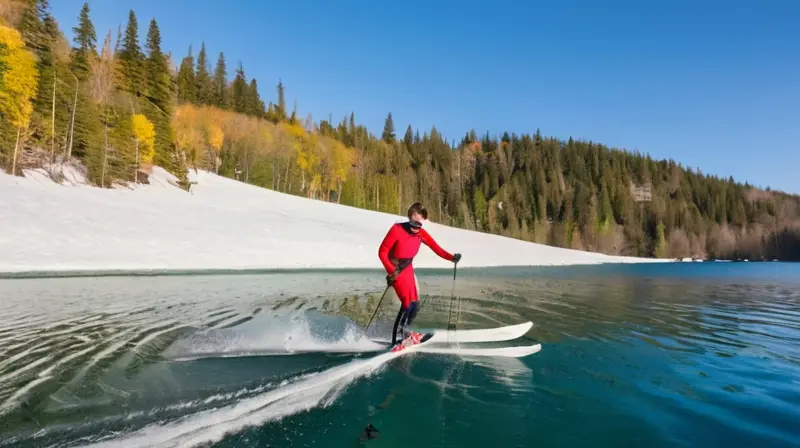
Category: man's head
[417,214]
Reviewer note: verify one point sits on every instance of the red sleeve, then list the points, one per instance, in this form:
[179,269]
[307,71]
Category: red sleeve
[385,247]
[430,242]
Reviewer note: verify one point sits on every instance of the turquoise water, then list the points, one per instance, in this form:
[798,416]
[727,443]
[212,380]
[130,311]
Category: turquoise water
[633,355]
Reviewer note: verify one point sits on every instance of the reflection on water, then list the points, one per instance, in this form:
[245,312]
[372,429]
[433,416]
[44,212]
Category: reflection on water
[656,355]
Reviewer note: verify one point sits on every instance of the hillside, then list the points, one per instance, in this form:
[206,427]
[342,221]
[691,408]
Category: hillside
[119,106]
[221,224]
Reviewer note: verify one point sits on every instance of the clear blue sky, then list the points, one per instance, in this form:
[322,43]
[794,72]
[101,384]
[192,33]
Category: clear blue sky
[714,84]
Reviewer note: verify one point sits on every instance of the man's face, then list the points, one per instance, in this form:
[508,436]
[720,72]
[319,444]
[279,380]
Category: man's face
[418,218]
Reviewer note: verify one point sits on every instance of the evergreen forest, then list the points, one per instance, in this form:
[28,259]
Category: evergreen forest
[113,103]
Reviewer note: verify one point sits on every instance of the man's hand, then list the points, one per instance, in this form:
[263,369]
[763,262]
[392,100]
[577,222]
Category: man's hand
[456,258]
[389,280]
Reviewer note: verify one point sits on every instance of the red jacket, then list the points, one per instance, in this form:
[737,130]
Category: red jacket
[400,243]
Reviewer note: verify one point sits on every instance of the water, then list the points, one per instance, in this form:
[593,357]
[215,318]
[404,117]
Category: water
[634,355]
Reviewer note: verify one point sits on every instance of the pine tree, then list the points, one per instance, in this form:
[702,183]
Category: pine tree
[131,60]
[221,83]
[187,85]
[605,215]
[204,87]
[32,26]
[159,82]
[118,41]
[255,106]
[281,110]
[660,243]
[388,130]
[408,138]
[240,91]
[86,43]
[93,112]
[158,77]
[40,31]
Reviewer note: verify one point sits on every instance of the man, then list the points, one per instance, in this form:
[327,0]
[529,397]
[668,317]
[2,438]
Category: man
[396,252]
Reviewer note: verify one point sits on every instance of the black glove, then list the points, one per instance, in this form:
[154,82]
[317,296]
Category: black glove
[389,280]
[456,258]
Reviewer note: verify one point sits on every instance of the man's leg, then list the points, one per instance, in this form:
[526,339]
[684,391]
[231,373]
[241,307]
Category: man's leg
[399,322]
[404,318]
[406,287]
[413,308]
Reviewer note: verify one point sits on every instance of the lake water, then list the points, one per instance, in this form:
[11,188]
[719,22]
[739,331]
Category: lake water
[634,355]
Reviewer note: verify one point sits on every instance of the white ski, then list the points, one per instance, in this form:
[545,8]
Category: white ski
[481,335]
[510,352]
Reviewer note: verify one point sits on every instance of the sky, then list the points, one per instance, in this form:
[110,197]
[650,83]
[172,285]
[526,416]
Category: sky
[714,85]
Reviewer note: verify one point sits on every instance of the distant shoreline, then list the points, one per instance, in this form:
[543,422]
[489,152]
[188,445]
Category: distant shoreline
[75,229]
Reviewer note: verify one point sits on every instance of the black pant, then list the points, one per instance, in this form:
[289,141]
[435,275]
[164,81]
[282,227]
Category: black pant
[404,317]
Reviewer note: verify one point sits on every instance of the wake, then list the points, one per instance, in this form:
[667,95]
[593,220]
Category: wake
[65,364]
[146,371]
[304,393]
[309,332]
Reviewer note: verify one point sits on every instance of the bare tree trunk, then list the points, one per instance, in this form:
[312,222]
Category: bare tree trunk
[377,195]
[72,122]
[286,177]
[399,196]
[273,174]
[136,172]
[363,196]
[339,193]
[53,124]
[460,183]
[247,165]
[105,152]
[16,148]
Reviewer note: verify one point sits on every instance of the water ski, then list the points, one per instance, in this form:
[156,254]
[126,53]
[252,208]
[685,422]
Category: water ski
[440,342]
[412,339]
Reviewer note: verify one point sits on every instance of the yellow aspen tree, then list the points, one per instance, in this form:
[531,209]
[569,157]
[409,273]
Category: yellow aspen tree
[18,85]
[188,138]
[215,138]
[145,135]
[307,153]
[343,159]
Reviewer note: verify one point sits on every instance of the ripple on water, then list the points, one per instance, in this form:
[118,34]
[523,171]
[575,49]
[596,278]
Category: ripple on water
[640,360]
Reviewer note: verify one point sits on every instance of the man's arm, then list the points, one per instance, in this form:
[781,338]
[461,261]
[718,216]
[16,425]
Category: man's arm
[386,245]
[430,242]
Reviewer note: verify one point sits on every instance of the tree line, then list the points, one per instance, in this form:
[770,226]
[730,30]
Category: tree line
[120,105]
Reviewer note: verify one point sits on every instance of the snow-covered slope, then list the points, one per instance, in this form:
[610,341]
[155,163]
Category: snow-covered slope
[223,224]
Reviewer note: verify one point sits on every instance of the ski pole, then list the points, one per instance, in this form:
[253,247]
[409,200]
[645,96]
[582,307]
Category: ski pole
[376,309]
[450,326]
[400,268]
[458,316]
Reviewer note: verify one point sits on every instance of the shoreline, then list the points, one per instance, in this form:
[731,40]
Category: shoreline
[73,229]
[148,272]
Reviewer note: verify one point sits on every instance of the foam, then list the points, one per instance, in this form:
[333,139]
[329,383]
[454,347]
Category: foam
[275,335]
[309,391]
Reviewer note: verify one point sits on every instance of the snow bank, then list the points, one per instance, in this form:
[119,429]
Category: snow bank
[222,224]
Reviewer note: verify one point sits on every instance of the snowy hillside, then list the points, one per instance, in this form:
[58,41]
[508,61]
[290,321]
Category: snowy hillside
[223,224]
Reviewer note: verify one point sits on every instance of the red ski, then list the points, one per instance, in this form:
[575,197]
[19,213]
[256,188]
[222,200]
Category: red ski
[413,338]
